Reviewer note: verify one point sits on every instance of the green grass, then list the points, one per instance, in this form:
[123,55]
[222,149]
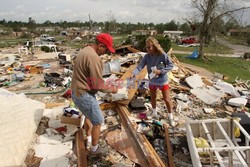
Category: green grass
[118,39]
[241,40]
[8,42]
[229,67]
[213,48]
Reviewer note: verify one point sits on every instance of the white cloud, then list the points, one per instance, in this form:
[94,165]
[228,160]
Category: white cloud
[156,11]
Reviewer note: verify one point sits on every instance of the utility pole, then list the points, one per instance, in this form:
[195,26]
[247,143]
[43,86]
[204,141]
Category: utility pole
[90,22]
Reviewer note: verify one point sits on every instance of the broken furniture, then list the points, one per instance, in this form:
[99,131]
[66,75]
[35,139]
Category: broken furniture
[25,49]
[223,145]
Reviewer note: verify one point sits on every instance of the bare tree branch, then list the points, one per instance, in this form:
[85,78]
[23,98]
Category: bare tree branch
[231,11]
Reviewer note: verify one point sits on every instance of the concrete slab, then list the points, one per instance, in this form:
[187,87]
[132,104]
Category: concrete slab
[238,102]
[227,88]
[194,81]
[207,95]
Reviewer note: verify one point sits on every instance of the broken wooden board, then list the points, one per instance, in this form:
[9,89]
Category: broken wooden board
[169,148]
[142,144]
[107,106]
[123,143]
[180,87]
[133,87]
[80,149]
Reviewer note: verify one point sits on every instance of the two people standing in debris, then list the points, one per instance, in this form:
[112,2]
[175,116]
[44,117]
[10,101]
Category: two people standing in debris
[86,81]
[158,64]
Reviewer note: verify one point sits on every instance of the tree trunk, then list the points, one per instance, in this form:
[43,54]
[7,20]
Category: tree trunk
[204,26]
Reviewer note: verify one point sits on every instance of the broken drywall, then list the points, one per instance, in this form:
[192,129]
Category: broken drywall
[19,119]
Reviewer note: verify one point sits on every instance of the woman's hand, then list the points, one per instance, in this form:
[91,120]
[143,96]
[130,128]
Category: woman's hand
[157,72]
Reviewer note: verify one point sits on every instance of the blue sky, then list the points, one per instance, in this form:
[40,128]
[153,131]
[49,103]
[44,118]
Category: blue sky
[144,11]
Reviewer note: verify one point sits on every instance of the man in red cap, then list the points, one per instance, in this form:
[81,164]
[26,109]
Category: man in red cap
[86,81]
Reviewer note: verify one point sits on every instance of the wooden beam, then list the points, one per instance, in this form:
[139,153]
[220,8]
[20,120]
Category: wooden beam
[107,106]
[184,88]
[80,149]
[132,49]
[151,157]
[169,148]
[132,88]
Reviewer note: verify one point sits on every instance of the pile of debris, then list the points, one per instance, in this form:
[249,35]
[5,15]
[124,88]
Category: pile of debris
[130,133]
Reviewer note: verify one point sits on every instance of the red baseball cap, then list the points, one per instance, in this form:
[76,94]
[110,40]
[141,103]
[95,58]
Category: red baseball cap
[107,40]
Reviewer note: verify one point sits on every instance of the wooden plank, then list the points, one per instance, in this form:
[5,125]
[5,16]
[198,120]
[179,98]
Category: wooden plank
[169,148]
[184,88]
[151,158]
[107,106]
[124,143]
[52,105]
[134,84]
[80,149]
[132,49]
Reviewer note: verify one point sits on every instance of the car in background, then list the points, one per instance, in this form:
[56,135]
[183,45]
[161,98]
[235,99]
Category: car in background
[188,40]
[45,37]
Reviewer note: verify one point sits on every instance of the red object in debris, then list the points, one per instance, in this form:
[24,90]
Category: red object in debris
[61,129]
[27,68]
[68,94]
[142,115]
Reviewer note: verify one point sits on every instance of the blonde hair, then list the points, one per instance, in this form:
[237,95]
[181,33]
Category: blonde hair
[156,44]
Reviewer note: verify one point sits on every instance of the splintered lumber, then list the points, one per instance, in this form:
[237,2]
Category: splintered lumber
[169,148]
[151,158]
[118,73]
[52,105]
[80,149]
[184,88]
[107,106]
[122,142]
[178,64]
[132,88]
[132,49]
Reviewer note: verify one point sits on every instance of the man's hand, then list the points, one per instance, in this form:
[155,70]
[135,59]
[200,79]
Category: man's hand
[157,72]
[132,76]
[114,90]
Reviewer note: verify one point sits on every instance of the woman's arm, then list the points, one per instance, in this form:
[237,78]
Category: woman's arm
[168,65]
[140,66]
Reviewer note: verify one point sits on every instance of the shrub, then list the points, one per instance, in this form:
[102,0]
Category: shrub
[140,42]
[246,55]
[248,41]
[45,49]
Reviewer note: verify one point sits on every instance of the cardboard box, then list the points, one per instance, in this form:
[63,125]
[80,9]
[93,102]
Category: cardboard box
[71,121]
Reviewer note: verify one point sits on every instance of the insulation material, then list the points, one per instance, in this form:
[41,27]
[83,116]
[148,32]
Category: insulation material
[19,119]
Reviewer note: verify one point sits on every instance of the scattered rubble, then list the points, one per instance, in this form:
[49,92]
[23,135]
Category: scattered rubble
[130,133]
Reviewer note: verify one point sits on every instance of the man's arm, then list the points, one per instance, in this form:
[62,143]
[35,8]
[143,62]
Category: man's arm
[96,81]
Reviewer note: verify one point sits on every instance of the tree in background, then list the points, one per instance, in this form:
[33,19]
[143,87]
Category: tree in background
[31,24]
[231,24]
[185,28]
[110,25]
[210,12]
